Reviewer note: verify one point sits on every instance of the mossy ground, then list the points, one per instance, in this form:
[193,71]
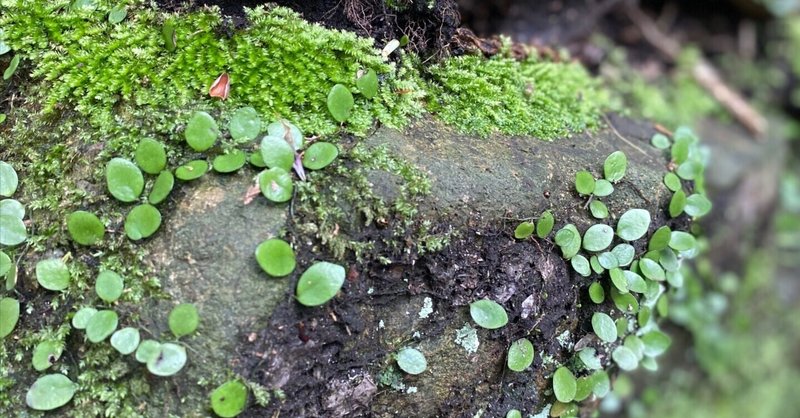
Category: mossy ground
[88,90]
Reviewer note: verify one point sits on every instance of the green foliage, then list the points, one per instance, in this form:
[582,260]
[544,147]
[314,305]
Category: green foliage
[340,102]
[501,94]
[148,349]
[151,156]
[276,257]
[12,67]
[604,327]
[142,221]
[660,239]
[85,228]
[488,314]
[124,180]
[615,165]
[672,181]
[602,188]
[564,385]
[12,230]
[109,286]
[192,170]
[596,292]
[229,162]
[319,155]
[82,317]
[9,315]
[520,355]
[633,224]
[50,392]
[598,237]
[183,319]
[569,239]
[12,207]
[125,340]
[625,358]
[277,152]
[201,131]
[584,182]
[581,265]
[368,84]
[276,184]
[101,325]
[244,124]
[545,224]
[167,360]
[52,274]
[677,204]
[524,230]
[229,399]
[161,188]
[319,283]
[117,14]
[411,361]
[8,179]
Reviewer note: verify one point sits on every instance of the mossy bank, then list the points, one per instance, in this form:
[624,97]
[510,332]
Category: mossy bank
[432,173]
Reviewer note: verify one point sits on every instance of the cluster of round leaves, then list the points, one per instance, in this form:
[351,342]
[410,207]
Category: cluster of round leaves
[340,100]
[688,163]
[12,233]
[614,168]
[542,228]
[317,285]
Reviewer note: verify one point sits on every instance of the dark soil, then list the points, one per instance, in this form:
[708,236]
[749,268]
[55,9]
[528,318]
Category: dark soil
[429,30]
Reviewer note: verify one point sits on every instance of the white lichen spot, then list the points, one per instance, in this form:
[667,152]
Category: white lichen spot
[370,291]
[544,413]
[381,324]
[547,359]
[416,334]
[427,308]
[564,340]
[411,389]
[467,337]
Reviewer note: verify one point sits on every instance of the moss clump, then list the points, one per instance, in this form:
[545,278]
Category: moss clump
[281,65]
[530,97]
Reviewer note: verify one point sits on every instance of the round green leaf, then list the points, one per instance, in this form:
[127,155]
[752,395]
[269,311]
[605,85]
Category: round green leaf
[161,188]
[513,413]
[488,314]
[169,359]
[150,156]
[625,358]
[52,274]
[50,392]
[101,325]
[230,162]
[45,354]
[109,286]
[124,179]
[82,317]
[524,230]
[8,179]
[245,124]
[615,166]
[651,269]
[411,361]
[276,152]
[229,399]
[564,385]
[169,36]
[677,203]
[11,207]
[635,282]
[117,14]
[618,279]
[125,340]
[689,170]
[598,209]
[596,293]
[589,358]
[12,230]
[598,237]
[257,160]
[520,355]
[624,254]
[696,205]
[675,278]
[192,170]
[681,241]
[85,228]
[608,260]
[9,315]
[633,224]
[142,222]
[147,350]
[83,5]
[545,224]
[584,182]
[183,319]
[368,84]
[604,327]
[584,388]
[276,257]
[340,102]
[581,265]
[660,141]
[5,264]
[288,132]
[655,343]
[276,184]
[672,182]
[319,155]
[669,260]
[201,131]
[594,262]
[680,149]
[569,239]
[602,384]
[602,188]
[12,67]
[660,239]
[319,283]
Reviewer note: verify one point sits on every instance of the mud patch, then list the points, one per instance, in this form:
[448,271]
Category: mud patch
[336,359]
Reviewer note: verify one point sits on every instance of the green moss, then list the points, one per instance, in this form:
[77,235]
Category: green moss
[531,97]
